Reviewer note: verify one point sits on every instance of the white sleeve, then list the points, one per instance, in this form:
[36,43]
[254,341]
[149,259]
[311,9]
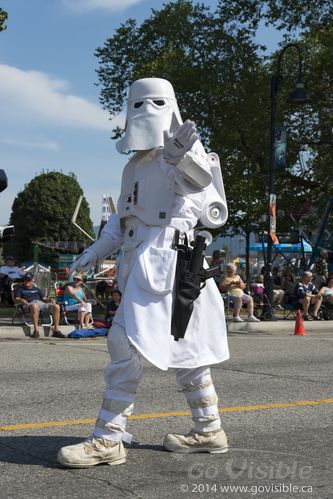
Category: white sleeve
[113,231]
[194,166]
[111,239]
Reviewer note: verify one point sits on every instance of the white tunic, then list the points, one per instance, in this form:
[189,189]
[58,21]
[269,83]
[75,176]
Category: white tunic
[146,278]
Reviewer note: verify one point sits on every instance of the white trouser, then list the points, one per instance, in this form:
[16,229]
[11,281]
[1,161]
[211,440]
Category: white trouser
[122,377]
[87,308]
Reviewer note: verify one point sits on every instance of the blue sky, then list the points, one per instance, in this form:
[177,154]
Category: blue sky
[50,116]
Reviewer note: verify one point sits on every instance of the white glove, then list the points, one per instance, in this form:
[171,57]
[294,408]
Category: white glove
[176,145]
[84,262]
[96,253]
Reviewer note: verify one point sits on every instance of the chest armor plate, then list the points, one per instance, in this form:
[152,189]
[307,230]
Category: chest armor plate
[147,193]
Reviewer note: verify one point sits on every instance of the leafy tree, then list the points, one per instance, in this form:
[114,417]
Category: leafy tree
[219,83]
[317,132]
[308,182]
[222,81]
[282,14]
[43,210]
[3,19]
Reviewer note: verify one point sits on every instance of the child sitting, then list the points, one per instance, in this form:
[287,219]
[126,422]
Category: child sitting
[112,307]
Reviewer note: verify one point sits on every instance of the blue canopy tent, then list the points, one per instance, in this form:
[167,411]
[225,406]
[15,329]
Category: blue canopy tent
[284,247]
[285,250]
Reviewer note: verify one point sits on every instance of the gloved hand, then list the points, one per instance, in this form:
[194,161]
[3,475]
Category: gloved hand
[84,262]
[98,251]
[176,145]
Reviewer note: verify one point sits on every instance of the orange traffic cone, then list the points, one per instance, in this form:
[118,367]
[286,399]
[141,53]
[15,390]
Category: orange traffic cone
[299,325]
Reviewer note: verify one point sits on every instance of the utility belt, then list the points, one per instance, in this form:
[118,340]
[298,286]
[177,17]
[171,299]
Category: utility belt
[136,232]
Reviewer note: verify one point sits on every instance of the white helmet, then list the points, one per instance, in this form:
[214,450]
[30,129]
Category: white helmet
[151,109]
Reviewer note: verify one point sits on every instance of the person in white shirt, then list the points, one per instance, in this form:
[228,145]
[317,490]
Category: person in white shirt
[10,270]
[9,273]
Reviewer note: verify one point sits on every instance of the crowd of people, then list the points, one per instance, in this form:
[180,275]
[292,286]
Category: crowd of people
[307,290]
[18,288]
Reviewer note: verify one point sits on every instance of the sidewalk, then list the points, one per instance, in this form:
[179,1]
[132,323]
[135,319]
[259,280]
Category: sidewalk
[17,332]
[283,326]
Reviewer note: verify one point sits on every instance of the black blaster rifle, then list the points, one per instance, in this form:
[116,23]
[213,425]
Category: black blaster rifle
[190,279]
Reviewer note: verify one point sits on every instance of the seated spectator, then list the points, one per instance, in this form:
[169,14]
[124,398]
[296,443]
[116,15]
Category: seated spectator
[308,295]
[327,291]
[234,285]
[263,271]
[75,299]
[258,290]
[261,277]
[112,307]
[216,261]
[33,301]
[9,273]
[288,284]
[320,269]
[278,293]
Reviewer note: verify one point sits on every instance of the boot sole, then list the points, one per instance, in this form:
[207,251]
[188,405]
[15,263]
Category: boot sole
[224,450]
[121,460]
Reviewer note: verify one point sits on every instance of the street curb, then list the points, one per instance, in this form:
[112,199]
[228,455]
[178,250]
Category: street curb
[18,332]
[21,332]
[280,326]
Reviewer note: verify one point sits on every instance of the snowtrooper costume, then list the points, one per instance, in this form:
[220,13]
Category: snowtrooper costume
[170,184]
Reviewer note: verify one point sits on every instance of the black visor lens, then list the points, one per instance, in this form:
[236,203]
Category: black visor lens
[159,102]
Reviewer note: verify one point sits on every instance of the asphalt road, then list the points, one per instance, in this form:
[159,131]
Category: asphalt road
[277,403]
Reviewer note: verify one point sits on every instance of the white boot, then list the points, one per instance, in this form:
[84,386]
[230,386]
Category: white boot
[214,442]
[92,451]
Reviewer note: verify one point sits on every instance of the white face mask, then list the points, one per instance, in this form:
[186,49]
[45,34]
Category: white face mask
[152,108]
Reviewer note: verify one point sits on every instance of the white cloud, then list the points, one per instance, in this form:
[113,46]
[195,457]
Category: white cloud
[48,145]
[38,97]
[112,5]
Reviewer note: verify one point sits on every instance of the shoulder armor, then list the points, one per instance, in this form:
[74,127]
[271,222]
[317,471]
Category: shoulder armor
[215,211]
[194,167]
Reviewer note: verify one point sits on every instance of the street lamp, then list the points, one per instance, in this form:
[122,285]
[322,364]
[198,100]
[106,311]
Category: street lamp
[298,96]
